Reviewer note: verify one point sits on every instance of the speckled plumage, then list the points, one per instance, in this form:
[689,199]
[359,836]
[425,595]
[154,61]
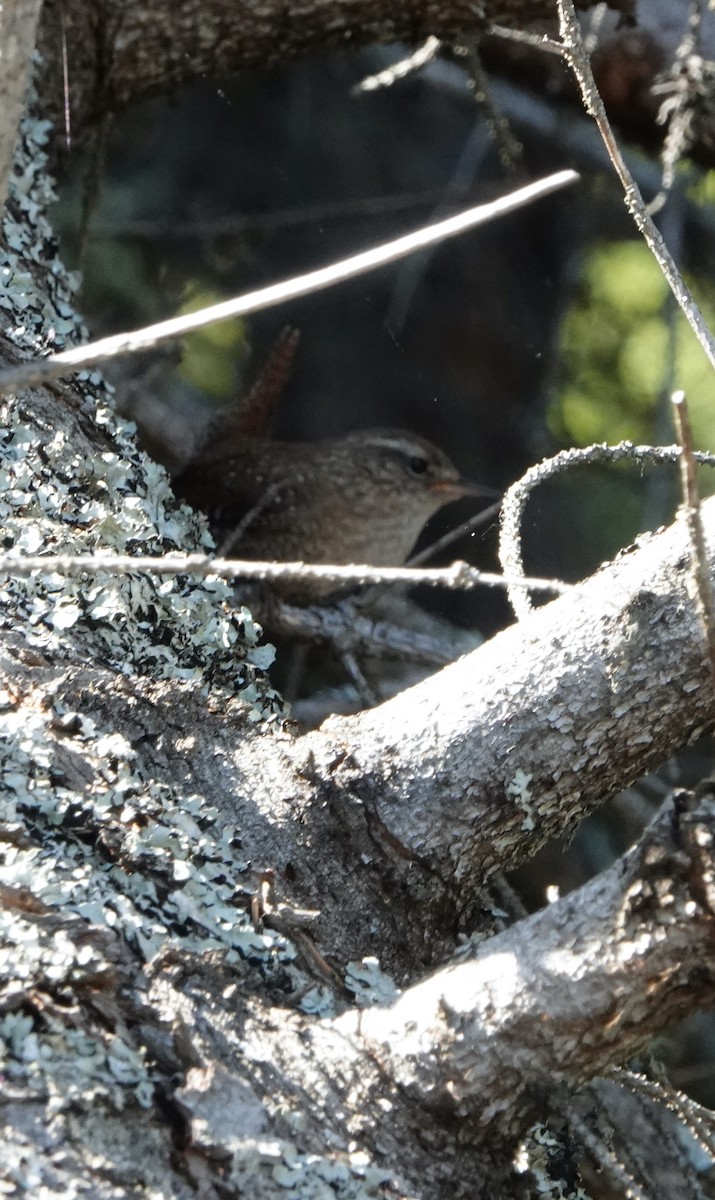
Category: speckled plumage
[361,498]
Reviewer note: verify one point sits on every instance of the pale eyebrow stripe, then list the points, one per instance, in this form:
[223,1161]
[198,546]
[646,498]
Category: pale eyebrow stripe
[400,444]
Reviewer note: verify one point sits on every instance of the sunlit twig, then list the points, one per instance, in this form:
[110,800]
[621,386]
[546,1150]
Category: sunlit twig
[67,361]
[575,53]
[459,575]
[514,502]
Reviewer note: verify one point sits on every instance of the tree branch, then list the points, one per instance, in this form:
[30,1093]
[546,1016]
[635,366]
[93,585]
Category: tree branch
[571,990]
[120,52]
[475,768]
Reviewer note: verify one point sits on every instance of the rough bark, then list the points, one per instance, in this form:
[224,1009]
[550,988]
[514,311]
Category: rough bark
[122,51]
[202,912]
[119,855]
[650,76]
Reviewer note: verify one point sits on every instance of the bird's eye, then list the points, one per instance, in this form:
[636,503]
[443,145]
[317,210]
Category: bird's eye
[418,466]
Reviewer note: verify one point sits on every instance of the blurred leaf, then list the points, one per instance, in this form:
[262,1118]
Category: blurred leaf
[615,346]
[213,357]
[702,191]
[626,277]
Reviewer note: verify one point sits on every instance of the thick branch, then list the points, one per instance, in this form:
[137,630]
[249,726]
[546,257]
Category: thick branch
[122,51]
[541,1009]
[475,768]
[570,991]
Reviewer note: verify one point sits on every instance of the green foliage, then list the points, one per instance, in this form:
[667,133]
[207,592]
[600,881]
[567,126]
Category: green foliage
[617,341]
[213,357]
[625,347]
[117,285]
[702,191]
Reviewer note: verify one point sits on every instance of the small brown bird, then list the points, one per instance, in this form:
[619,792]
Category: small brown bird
[361,498]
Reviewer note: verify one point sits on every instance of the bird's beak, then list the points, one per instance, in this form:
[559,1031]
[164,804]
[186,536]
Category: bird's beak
[453,489]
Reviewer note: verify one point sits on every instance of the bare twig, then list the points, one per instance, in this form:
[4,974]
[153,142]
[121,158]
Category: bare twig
[399,70]
[343,626]
[693,518]
[459,575]
[355,674]
[572,42]
[240,225]
[461,530]
[535,41]
[510,149]
[685,87]
[605,1159]
[65,79]
[58,365]
[514,502]
[698,1120]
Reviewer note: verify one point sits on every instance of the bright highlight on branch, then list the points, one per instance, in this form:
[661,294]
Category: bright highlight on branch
[67,361]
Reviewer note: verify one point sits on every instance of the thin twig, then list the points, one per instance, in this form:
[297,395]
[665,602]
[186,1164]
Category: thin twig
[697,1119]
[514,502]
[461,530]
[535,41]
[251,224]
[684,84]
[399,70]
[509,148]
[234,537]
[64,363]
[65,79]
[343,626]
[356,676]
[694,522]
[459,575]
[572,42]
[605,1159]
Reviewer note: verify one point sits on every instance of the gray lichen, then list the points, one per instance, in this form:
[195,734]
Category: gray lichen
[541,1155]
[177,880]
[60,495]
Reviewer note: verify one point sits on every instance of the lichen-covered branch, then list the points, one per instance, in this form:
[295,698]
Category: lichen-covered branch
[472,770]
[200,910]
[570,990]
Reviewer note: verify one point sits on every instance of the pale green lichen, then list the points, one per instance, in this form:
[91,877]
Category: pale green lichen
[541,1154]
[178,880]
[369,984]
[71,1067]
[276,1168]
[178,627]
[319,1002]
[174,879]
[520,790]
[185,884]
[58,498]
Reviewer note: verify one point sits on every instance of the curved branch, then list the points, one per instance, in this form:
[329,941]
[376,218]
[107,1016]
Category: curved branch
[540,1010]
[122,51]
[475,768]
[571,990]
